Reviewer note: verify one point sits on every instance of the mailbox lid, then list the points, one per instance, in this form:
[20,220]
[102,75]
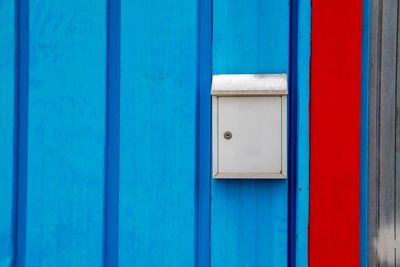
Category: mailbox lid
[257,148]
[249,84]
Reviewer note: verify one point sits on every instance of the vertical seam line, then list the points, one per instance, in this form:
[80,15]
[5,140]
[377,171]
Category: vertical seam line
[22,68]
[112,133]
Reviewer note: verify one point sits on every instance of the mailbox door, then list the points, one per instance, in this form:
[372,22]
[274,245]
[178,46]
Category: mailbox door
[248,136]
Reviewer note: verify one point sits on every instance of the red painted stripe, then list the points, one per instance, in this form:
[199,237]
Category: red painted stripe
[335,133]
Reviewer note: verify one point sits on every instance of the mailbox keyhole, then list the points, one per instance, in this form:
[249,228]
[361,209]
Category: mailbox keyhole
[228,135]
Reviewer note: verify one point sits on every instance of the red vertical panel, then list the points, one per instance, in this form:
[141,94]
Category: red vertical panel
[335,133]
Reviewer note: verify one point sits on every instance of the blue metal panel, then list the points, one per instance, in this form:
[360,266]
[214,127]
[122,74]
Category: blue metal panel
[66,138]
[21,127]
[157,135]
[204,133]
[7,85]
[302,68]
[250,36]
[249,219]
[113,123]
[364,133]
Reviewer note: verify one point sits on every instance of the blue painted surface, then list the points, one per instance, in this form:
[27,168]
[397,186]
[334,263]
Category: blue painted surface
[250,36]
[66,137]
[113,133]
[364,134]
[204,133]
[105,158]
[21,129]
[249,219]
[292,137]
[302,132]
[158,133]
[7,86]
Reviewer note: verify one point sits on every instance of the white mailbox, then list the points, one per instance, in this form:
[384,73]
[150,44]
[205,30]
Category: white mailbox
[249,114]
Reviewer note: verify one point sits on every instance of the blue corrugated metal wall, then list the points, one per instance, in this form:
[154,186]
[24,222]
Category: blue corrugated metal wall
[105,133]
[249,219]
[7,68]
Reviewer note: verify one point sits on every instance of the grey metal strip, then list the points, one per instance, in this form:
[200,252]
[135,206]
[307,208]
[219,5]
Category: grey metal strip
[383,133]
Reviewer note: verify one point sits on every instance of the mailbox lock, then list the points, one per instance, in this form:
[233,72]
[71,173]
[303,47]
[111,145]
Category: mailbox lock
[227,135]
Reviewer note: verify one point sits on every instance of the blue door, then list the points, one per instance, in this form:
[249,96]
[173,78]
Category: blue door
[105,120]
